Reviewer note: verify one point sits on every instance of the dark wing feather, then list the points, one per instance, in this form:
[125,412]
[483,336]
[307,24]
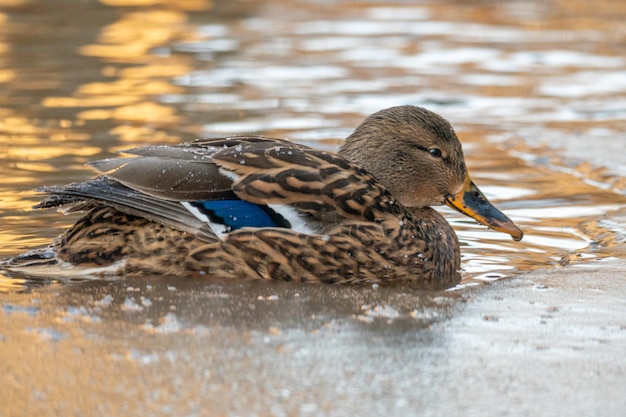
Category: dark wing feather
[167,178]
[102,190]
[182,172]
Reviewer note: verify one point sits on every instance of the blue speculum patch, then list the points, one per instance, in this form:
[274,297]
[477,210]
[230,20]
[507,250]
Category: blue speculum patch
[236,214]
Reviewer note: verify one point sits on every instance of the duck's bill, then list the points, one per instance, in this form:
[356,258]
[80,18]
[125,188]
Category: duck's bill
[473,203]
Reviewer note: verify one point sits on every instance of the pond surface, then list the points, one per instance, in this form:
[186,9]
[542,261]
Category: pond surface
[511,78]
[536,91]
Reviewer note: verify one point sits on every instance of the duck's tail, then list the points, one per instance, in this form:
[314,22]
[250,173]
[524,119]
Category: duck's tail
[35,257]
[106,243]
[43,263]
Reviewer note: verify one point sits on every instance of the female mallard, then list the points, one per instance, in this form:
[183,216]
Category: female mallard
[257,207]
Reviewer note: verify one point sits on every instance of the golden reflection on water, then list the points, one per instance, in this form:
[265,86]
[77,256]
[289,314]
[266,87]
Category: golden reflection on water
[5,75]
[131,38]
[135,134]
[21,130]
[189,5]
[127,94]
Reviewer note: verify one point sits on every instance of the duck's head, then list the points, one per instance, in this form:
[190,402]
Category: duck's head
[418,157]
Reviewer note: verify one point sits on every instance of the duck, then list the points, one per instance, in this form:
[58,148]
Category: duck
[253,207]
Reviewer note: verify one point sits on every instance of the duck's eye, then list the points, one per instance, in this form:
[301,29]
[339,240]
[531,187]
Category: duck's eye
[435,152]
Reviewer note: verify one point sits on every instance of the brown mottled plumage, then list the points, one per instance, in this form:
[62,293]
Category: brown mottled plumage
[358,216]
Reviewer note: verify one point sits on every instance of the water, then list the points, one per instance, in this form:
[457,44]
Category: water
[535,90]
[163,75]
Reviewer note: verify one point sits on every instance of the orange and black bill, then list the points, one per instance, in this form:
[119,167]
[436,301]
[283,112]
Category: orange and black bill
[473,203]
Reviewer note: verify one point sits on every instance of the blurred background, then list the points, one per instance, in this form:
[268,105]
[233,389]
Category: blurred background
[536,91]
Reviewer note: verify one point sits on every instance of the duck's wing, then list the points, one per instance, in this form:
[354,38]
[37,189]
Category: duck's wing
[178,186]
[99,191]
[184,172]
